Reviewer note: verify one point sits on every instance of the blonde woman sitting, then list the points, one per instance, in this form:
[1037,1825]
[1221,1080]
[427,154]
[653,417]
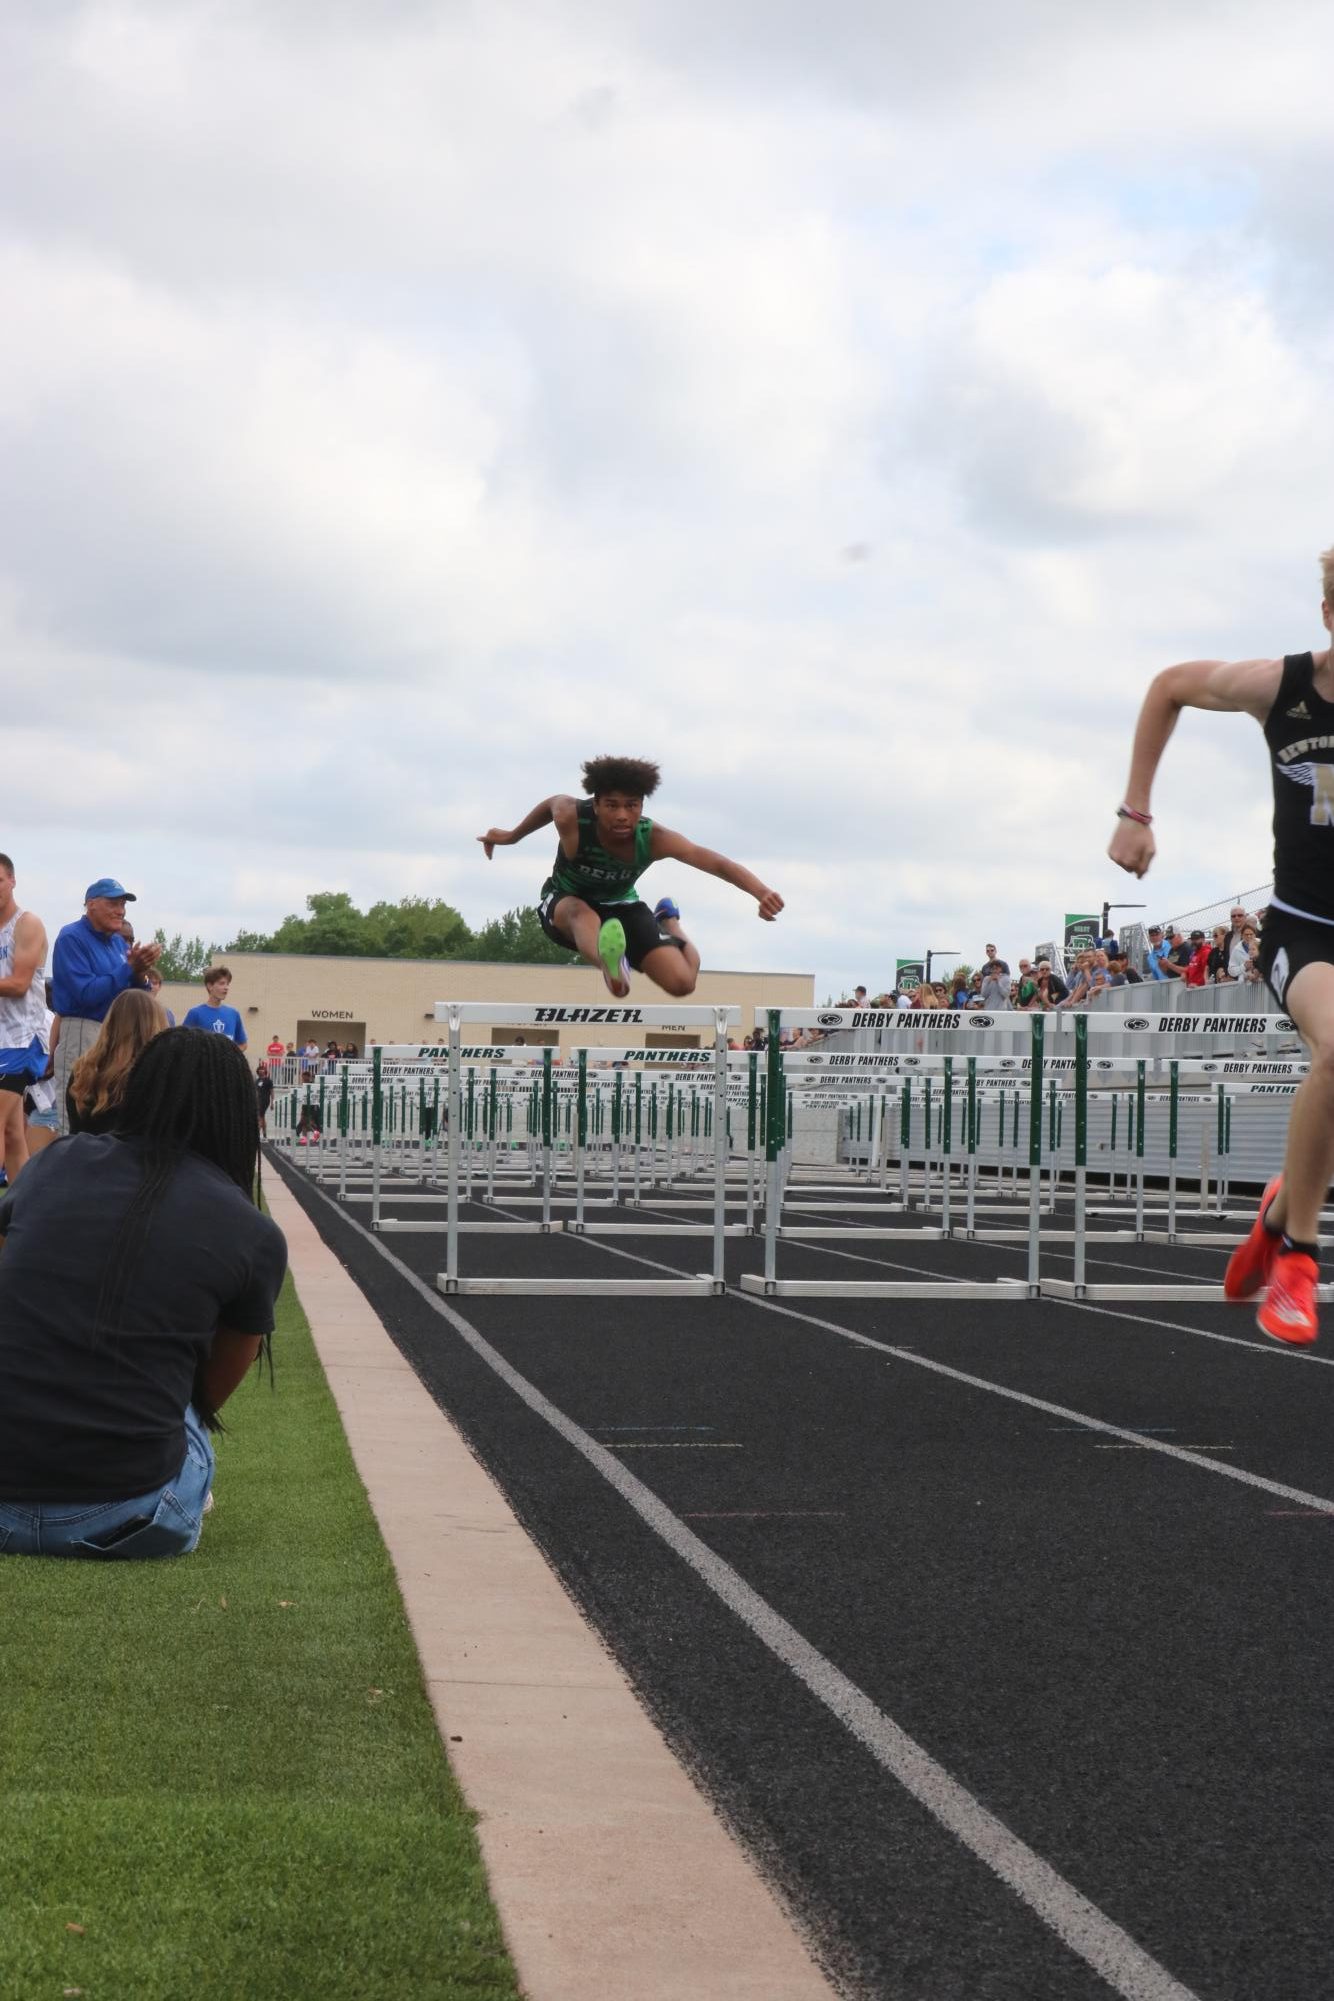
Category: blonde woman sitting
[96,1090]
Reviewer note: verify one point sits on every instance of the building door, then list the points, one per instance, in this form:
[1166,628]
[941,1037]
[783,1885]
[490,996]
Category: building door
[341,1032]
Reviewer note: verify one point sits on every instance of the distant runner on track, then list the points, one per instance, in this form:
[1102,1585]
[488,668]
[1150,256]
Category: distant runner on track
[589,901]
[1293,701]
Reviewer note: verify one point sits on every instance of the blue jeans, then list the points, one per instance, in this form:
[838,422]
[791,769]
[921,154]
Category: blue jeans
[164,1523]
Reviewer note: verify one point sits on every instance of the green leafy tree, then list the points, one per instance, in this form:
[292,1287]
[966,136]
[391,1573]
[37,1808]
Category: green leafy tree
[334,928]
[416,927]
[182,958]
[420,927]
[518,938]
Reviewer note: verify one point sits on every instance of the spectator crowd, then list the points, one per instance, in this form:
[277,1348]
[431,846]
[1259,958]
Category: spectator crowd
[1226,955]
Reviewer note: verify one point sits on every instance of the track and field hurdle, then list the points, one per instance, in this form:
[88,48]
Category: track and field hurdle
[1161,1292]
[960,1027]
[498,1014]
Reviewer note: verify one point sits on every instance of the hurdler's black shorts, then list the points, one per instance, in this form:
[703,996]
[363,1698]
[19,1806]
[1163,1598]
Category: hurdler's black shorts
[1287,944]
[643,933]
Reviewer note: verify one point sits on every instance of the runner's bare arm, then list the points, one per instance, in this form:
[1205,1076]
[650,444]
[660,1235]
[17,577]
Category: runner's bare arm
[1245,687]
[560,808]
[668,846]
[29,954]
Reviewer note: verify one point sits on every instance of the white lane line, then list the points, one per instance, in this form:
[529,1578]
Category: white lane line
[1097,1939]
[902,1354]
[1180,1452]
[1279,1350]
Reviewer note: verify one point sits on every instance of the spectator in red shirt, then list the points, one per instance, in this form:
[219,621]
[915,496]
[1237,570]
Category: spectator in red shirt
[1197,966]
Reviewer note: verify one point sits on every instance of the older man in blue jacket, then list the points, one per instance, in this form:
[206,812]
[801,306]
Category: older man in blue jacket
[91,964]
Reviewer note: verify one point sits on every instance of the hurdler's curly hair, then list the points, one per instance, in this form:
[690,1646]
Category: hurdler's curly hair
[634,775]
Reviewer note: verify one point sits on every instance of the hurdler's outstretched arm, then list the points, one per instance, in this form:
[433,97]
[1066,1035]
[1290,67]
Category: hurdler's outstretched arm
[1245,686]
[560,809]
[668,846]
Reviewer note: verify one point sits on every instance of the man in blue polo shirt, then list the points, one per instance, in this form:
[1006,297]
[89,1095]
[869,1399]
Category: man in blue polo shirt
[214,1014]
[90,965]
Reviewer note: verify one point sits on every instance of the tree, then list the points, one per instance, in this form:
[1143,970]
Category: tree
[335,927]
[182,958]
[419,927]
[518,938]
[416,927]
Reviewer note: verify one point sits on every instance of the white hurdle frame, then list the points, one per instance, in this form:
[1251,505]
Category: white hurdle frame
[1162,1294]
[958,1027]
[499,1014]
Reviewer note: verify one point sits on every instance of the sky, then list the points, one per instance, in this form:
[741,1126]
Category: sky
[851,408]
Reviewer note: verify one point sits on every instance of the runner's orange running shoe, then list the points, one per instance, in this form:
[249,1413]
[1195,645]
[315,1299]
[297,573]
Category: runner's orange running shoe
[1249,1266]
[1287,1312]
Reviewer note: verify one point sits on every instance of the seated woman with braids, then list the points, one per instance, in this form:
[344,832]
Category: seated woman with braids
[137,1286]
[96,1091]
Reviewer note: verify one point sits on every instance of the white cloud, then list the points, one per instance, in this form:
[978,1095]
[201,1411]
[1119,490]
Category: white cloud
[852,409]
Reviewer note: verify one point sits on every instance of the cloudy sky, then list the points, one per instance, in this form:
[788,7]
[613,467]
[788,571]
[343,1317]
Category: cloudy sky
[402,400]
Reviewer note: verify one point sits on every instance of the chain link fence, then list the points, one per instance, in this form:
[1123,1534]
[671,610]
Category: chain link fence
[1252,901]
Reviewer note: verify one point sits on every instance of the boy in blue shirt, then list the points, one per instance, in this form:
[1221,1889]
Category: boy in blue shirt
[214,1014]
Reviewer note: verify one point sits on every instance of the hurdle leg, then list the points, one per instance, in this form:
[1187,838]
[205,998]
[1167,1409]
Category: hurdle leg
[1035,1161]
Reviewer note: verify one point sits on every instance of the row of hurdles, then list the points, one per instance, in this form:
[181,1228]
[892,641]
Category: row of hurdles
[965,1147]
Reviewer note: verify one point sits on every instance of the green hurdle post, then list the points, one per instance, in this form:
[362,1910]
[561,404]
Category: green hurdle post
[971,1122]
[773,1146]
[1035,1159]
[377,1130]
[1081,1145]
[1173,1095]
[927,1128]
[616,1139]
[548,1093]
[1140,1103]
[752,1106]
[946,1138]
[580,1135]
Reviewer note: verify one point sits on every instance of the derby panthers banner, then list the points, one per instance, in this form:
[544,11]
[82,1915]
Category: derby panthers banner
[1081,934]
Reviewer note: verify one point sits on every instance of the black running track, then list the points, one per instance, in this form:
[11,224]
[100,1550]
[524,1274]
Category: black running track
[1122,1655]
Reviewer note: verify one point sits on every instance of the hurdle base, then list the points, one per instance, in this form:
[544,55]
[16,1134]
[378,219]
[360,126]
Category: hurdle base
[802,1231]
[700,1287]
[1210,1295]
[388,1224]
[871,1288]
[658,1229]
[1209,1240]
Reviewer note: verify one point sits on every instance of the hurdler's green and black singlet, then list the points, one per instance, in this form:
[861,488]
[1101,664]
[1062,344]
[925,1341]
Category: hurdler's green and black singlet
[608,884]
[595,875]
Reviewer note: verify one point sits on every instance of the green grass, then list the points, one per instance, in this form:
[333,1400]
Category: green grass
[224,1767]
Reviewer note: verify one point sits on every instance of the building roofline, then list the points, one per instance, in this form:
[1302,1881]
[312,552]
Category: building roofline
[521,965]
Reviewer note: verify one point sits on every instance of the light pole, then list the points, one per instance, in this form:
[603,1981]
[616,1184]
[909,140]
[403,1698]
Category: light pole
[1107,908]
[937,954]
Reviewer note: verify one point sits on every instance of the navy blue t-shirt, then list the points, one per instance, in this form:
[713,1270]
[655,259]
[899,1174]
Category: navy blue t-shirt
[102,1417]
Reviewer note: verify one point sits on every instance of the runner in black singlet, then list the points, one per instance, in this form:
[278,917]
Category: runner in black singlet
[589,901]
[1293,701]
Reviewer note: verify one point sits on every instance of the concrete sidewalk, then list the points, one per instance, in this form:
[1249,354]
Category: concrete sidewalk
[610,1871]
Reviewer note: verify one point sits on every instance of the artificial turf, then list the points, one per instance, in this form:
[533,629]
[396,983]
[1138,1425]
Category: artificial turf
[219,1774]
